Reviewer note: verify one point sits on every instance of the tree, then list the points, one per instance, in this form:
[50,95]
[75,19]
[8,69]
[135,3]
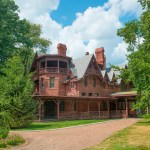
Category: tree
[17,106]
[138,70]
[18,36]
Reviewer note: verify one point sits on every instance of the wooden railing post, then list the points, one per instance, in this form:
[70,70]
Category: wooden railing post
[127,113]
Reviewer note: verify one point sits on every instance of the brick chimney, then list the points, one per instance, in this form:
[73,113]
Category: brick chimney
[61,49]
[100,57]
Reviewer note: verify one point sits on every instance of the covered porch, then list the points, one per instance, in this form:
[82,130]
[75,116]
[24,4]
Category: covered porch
[70,108]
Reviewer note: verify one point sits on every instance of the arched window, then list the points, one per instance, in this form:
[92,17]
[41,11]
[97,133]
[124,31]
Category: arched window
[103,106]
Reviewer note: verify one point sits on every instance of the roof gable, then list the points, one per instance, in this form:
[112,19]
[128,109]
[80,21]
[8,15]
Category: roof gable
[80,65]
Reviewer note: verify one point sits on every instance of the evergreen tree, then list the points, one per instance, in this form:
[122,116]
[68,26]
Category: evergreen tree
[16,94]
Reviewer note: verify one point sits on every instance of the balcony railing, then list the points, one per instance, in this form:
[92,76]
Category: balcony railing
[53,70]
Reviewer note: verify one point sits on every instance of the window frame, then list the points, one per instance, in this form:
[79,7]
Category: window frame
[50,82]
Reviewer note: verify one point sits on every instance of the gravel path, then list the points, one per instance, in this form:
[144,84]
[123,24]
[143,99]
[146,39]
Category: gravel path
[73,138]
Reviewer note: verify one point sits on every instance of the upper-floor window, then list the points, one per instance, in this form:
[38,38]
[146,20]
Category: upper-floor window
[90,94]
[96,94]
[83,94]
[94,82]
[85,81]
[42,65]
[52,63]
[62,64]
[72,84]
[52,82]
[42,83]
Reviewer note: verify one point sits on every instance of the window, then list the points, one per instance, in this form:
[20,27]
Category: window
[112,106]
[42,83]
[94,82]
[96,94]
[52,63]
[121,105]
[42,65]
[85,81]
[52,82]
[62,106]
[103,106]
[90,94]
[72,85]
[83,94]
[62,64]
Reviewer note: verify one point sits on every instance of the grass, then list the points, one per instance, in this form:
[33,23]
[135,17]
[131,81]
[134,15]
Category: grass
[135,137]
[11,140]
[58,124]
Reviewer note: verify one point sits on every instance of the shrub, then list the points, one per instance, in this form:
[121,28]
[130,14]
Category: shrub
[15,140]
[3,132]
[2,144]
[147,116]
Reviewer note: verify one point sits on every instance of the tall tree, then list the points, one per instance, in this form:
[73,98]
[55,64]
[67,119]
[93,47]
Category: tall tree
[16,94]
[18,36]
[137,34]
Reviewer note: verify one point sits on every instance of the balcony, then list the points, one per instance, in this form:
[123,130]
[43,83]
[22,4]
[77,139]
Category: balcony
[53,70]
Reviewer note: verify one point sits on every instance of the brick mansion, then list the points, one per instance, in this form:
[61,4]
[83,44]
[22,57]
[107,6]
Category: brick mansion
[82,88]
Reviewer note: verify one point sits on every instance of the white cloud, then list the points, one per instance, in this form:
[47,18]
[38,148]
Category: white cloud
[119,53]
[30,9]
[96,27]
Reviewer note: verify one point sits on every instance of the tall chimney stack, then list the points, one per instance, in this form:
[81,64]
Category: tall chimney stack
[100,57]
[61,49]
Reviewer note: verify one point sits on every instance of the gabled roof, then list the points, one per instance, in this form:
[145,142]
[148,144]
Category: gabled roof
[80,65]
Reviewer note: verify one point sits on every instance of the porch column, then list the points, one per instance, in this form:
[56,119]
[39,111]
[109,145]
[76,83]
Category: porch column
[89,109]
[58,109]
[108,104]
[99,109]
[127,112]
[73,102]
[40,108]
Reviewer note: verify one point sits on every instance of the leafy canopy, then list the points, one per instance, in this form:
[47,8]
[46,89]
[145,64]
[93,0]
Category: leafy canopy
[137,34]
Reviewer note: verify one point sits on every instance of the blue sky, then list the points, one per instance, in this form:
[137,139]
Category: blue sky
[67,9]
[83,25]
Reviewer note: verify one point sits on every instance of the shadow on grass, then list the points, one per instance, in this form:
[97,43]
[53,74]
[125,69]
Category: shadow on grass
[143,122]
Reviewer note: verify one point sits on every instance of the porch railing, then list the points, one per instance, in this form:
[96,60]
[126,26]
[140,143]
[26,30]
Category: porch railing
[53,70]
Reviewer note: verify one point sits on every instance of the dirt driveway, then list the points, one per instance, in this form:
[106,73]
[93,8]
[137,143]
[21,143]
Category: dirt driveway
[73,138]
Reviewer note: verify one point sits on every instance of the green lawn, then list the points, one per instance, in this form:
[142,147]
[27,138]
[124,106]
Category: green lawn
[58,124]
[135,137]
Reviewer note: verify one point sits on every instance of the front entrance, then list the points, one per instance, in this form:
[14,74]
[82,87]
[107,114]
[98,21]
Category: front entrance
[50,110]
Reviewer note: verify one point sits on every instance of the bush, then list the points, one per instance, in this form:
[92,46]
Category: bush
[147,116]
[2,144]
[3,132]
[15,140]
